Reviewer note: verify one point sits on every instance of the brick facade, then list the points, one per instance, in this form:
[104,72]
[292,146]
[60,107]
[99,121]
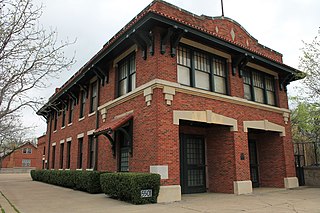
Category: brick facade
[158,95]
[15,159]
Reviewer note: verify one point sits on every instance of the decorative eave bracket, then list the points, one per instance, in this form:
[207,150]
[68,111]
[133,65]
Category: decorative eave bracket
[144,40]
[239,62]
[104,77]
[173,35]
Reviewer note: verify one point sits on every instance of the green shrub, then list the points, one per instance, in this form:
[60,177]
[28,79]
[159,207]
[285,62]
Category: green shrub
[88,181]
[128,186]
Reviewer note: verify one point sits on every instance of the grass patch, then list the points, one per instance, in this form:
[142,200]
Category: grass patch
[9,203]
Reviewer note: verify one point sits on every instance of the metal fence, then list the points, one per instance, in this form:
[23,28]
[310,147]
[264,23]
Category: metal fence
[307,154]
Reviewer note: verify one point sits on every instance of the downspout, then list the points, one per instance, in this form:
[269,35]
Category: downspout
[97,126]
[49,141]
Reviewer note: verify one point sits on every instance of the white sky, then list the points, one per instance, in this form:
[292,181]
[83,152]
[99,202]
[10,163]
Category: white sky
[277,24]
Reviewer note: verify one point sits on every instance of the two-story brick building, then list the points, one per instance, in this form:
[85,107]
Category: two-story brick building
[22,157]
[194,98]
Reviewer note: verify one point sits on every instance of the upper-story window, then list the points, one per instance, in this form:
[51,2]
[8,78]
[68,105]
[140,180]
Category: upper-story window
[27,151]
[82,103]
[55,121]
[63,123]
[94,96]
[259,87]
[71,110]
[127,75]
[202,70]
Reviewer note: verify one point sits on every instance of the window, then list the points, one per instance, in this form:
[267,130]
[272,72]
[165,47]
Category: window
[80,145]
[61,155]
[259,87]
[68,154]
[82,104]
[94,96]
[91,152]
[53,156]
[63,124]
[201,70]
[71,109]
[126,75]
[26,162]
[55,122]
[27,151]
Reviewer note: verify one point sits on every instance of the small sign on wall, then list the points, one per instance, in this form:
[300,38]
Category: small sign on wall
[145,193]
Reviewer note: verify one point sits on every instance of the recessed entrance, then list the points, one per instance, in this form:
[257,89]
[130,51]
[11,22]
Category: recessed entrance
[192,159]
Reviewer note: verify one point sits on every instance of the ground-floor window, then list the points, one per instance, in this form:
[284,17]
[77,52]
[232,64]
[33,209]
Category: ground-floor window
[61,155]
[53,156]
[68,154]
[80,145]
[26,163]
[91,152]
[124,159]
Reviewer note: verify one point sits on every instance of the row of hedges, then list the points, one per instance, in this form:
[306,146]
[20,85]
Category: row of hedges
[88,181]
[127,186]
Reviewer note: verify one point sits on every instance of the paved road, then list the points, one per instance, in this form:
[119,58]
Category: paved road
[32,197]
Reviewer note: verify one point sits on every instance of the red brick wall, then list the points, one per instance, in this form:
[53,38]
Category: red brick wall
[220,156]
[156,138]
[271,159]
[16,157]
[208,25]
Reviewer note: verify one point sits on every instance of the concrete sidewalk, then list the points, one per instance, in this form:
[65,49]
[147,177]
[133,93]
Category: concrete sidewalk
[29,197]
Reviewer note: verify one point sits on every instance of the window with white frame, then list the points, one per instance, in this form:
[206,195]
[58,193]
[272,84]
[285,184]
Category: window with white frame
[202,70]
[26,162]
[27,151]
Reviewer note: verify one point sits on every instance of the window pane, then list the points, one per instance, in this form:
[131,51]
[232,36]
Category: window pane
[132,64]
[257,79]
[247,92]
[123,67]
[269,84]
[220,84]
[201,62]
[123,87]
[271,98]
[258,94]
[202,80]
[246,77]
[183,75]
[183,56]
[219,67]
[133,81]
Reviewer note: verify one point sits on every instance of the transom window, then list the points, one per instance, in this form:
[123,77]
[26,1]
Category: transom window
[259,87]
[202,70]
[127,75]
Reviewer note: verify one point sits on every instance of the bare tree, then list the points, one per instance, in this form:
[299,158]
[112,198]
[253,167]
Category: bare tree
[310,64]
[29,56]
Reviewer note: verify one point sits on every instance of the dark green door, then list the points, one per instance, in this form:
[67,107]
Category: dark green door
[192,164]
[254,163]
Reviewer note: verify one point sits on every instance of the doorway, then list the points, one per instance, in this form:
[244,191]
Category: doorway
[254,163]
[192,164]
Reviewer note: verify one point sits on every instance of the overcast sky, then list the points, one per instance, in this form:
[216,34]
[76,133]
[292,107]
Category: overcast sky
[277,24]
